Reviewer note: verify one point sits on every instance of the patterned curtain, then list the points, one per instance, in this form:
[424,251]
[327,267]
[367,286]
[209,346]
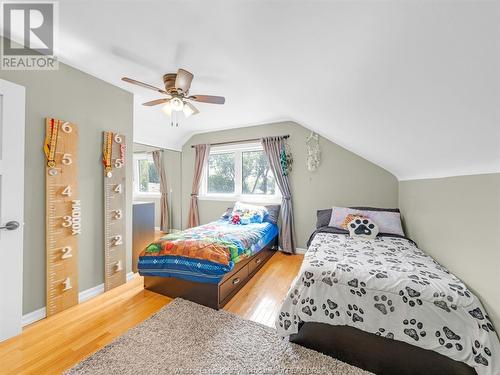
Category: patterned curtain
[200,160]
[274,148]
[160,168]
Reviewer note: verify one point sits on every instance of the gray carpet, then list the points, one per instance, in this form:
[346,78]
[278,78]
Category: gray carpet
[186,338]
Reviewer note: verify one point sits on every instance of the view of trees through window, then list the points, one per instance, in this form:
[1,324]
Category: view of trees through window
[149,181]
[221,173]
[255,177]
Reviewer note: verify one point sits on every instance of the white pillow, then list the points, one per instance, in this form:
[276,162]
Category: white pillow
[362,227]
[249,213]
[388,222]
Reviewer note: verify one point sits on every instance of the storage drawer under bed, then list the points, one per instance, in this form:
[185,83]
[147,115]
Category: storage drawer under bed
[258,260]
[212,295]
[233,283]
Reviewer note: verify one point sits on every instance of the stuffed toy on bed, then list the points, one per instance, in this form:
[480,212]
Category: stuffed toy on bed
[362,227]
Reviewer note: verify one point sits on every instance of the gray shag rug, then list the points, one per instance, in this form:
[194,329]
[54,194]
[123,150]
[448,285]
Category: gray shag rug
[187,338]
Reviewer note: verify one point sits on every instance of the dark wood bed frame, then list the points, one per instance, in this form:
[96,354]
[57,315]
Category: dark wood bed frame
[213,295]
[375,353]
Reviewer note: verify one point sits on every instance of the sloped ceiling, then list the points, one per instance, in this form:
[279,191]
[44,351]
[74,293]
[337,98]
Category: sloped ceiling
[413,86]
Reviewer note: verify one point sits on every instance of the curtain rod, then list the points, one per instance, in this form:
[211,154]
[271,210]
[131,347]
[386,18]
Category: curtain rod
[243,141]
[154,146]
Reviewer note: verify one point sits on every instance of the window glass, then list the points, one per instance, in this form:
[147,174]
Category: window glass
[257,177]
[149,181]
[221,173]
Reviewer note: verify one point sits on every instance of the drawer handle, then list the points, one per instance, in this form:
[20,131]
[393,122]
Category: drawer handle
[236,281]
[258,260]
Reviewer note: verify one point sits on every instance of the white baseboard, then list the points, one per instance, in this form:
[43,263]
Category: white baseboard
[298,250]
[33,316]
[83,296]
[130,276]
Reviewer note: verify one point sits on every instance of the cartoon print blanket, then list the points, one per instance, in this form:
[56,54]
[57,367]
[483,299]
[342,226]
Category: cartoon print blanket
[389,287]
[219,242]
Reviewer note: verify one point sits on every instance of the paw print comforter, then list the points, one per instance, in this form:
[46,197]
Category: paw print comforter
[389,287]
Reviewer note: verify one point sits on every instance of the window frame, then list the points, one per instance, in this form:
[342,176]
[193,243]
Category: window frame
[237,149]
[136,158]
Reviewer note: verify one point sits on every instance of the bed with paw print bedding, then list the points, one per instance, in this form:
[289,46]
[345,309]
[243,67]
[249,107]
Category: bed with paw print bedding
[389,287]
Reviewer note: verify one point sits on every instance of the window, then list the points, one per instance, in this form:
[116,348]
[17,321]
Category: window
[146,180]
[239,172]
[221,173]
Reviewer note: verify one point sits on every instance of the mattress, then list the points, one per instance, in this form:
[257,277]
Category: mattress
[389,287]
[205,253]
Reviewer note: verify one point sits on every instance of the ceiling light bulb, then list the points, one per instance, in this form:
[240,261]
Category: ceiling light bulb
[188,111]
[167,109]
[176,104]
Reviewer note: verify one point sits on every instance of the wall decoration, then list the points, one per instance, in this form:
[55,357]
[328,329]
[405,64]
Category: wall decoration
[286,159]
[313,152]
[63,214]
[113,159]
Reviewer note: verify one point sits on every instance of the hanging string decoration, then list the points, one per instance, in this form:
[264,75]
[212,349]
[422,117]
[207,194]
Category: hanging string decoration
[313,152]
[286,159]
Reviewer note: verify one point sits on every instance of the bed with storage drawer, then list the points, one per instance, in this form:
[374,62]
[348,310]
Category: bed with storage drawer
[208,264]
[214,295]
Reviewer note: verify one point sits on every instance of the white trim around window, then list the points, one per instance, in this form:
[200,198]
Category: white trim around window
[237,149]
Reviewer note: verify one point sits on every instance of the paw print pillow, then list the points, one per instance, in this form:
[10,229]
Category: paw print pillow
[349,218]
[362,227]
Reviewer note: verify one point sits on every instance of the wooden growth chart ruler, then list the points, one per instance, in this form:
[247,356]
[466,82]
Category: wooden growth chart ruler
[113,158]
[63,217]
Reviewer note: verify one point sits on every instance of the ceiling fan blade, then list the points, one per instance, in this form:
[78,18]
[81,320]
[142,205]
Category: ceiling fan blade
[208,99]
[142,84]
[183,80]
[155,102]
[189,109]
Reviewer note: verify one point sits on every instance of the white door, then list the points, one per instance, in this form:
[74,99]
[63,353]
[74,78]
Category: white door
[12,98]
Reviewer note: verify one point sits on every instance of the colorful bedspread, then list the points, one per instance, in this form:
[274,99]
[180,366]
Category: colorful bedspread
[205,253]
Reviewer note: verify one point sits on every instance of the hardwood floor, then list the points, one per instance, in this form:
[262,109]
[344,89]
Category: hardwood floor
[55,344]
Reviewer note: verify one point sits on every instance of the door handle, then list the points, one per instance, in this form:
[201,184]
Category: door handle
[11,225]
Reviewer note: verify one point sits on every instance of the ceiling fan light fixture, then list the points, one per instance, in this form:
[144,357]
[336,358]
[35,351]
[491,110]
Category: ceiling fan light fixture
[176,95]
[176,104]
[167,109]
[188,111]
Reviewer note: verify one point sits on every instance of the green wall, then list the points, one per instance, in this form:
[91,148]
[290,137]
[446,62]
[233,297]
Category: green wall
[343,178]
[71,95]
[457,221]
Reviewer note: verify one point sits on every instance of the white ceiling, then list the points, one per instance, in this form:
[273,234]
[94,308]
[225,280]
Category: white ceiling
[413,86]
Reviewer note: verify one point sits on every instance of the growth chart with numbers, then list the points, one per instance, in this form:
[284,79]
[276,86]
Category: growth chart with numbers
[113,158]
[63,217]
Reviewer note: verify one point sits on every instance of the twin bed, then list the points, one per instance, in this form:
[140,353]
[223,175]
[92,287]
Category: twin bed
[384,305]
[208,264]
[378,303]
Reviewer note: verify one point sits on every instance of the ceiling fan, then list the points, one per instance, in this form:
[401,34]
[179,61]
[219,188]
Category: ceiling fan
[176,92]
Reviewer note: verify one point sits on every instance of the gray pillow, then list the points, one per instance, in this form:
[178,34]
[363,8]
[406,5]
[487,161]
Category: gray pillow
[274,213]
[375,209]
[323,216]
